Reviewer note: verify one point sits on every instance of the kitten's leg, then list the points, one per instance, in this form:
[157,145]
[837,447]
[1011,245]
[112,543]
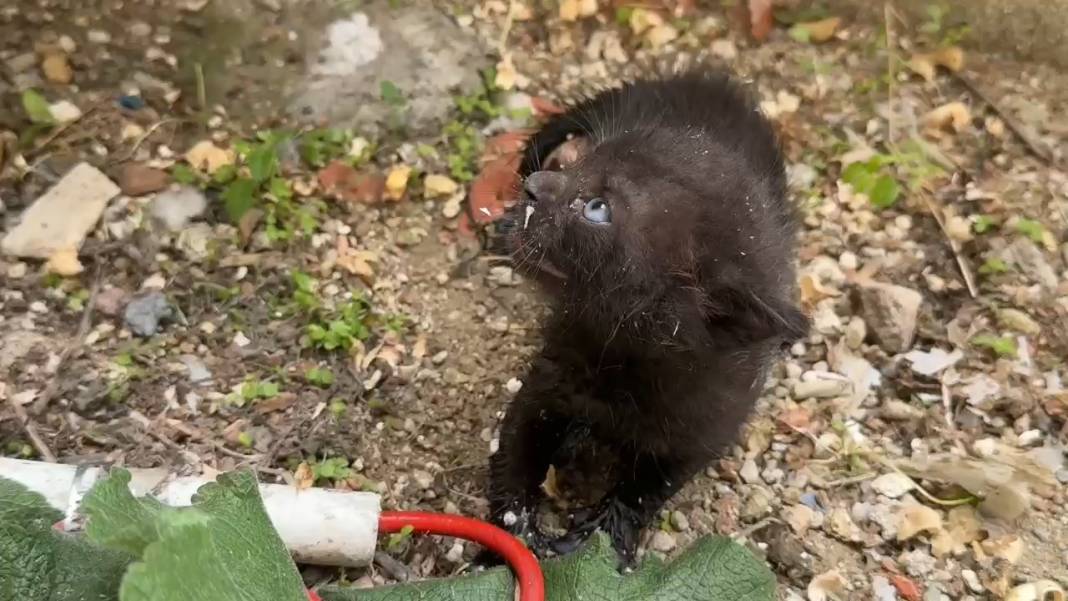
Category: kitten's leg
[530,435]
[635,499]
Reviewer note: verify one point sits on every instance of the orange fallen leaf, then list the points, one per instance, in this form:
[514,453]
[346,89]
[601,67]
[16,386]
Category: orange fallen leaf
[495,187]
[304,476]
[760,19]
[906,587]
[820,31]
[341,181]
[926,64]
[953,115]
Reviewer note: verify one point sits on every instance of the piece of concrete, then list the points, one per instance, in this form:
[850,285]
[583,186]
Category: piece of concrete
[417,48]
[63,216]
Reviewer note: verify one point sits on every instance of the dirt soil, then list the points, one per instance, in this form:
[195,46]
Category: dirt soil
[934,263]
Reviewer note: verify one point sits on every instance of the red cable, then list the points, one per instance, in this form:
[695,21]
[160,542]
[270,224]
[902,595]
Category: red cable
[528,575]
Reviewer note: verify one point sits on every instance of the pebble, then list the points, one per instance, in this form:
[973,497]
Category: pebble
[240,340]
[175,208]
[62,217]
[757,504]
[898,410]
[750,473]
[680,521]
[893,485]
[194,242]
[891,311]
[855,332]
[826,385]
[972,580]
[98,36]
[144,314]
[423,479]
[198,372]
[514,385]
[21,62]
[455,554]
[137,179]
[663,541]
[65,111]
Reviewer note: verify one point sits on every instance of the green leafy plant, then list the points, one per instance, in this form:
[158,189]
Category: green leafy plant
[344,328]
[1002,346]
[331,468]
[319,376]
[982,224]
[399,540]
[252,390]
[320,146]
[37,108]
[880,177]
[1032,229]
[992,266]
[868,178]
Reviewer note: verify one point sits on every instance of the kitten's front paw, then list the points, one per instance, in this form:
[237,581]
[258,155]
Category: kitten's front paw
[611,516]
[523,524]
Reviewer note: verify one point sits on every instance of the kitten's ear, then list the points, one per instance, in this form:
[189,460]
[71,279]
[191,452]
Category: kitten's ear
[749,317]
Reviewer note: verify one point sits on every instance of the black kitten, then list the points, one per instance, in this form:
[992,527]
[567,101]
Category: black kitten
[666,241]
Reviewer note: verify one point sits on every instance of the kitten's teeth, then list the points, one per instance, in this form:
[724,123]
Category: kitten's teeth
[530,211]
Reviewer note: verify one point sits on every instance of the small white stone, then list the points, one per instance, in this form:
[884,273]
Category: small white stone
[514,385]
[241,340]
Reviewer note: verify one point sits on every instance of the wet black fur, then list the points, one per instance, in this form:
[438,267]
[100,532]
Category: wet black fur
[666,320]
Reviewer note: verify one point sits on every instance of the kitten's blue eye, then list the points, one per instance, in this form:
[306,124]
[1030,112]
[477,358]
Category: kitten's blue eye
[597,211]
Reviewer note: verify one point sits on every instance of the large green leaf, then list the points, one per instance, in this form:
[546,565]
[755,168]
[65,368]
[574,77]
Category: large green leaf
[117,520]
[712,569]
[222,548]
[39,563]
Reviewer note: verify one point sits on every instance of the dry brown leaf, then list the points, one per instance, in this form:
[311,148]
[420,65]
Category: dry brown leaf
[356,262]
[569,10]
[828,585]
[397,182]
[822,30]
[962,528]
[1002,476]
[65,263]
[1009,547]
[506,74]
[926,64]
[549,485]
[303,476]
[813,290]
[206,156]
[952,115]
[914,519]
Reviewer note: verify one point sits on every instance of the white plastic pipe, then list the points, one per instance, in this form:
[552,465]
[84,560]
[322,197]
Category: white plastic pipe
[318,525]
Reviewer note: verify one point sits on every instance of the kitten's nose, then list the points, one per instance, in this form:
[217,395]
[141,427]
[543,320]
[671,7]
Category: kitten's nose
[542,186]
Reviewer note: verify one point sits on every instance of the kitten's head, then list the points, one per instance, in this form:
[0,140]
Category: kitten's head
[672,226]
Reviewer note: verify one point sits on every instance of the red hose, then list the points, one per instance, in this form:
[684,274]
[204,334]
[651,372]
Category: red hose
[528,575]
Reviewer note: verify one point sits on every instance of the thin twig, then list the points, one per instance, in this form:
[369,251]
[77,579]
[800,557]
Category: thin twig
[76,344]
[757,527]
[31,431]
[1037,148]
[141,140]
[887,13]
[965,268]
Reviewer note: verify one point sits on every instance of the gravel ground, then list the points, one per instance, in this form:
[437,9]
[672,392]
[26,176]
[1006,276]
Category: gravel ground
[911,448]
